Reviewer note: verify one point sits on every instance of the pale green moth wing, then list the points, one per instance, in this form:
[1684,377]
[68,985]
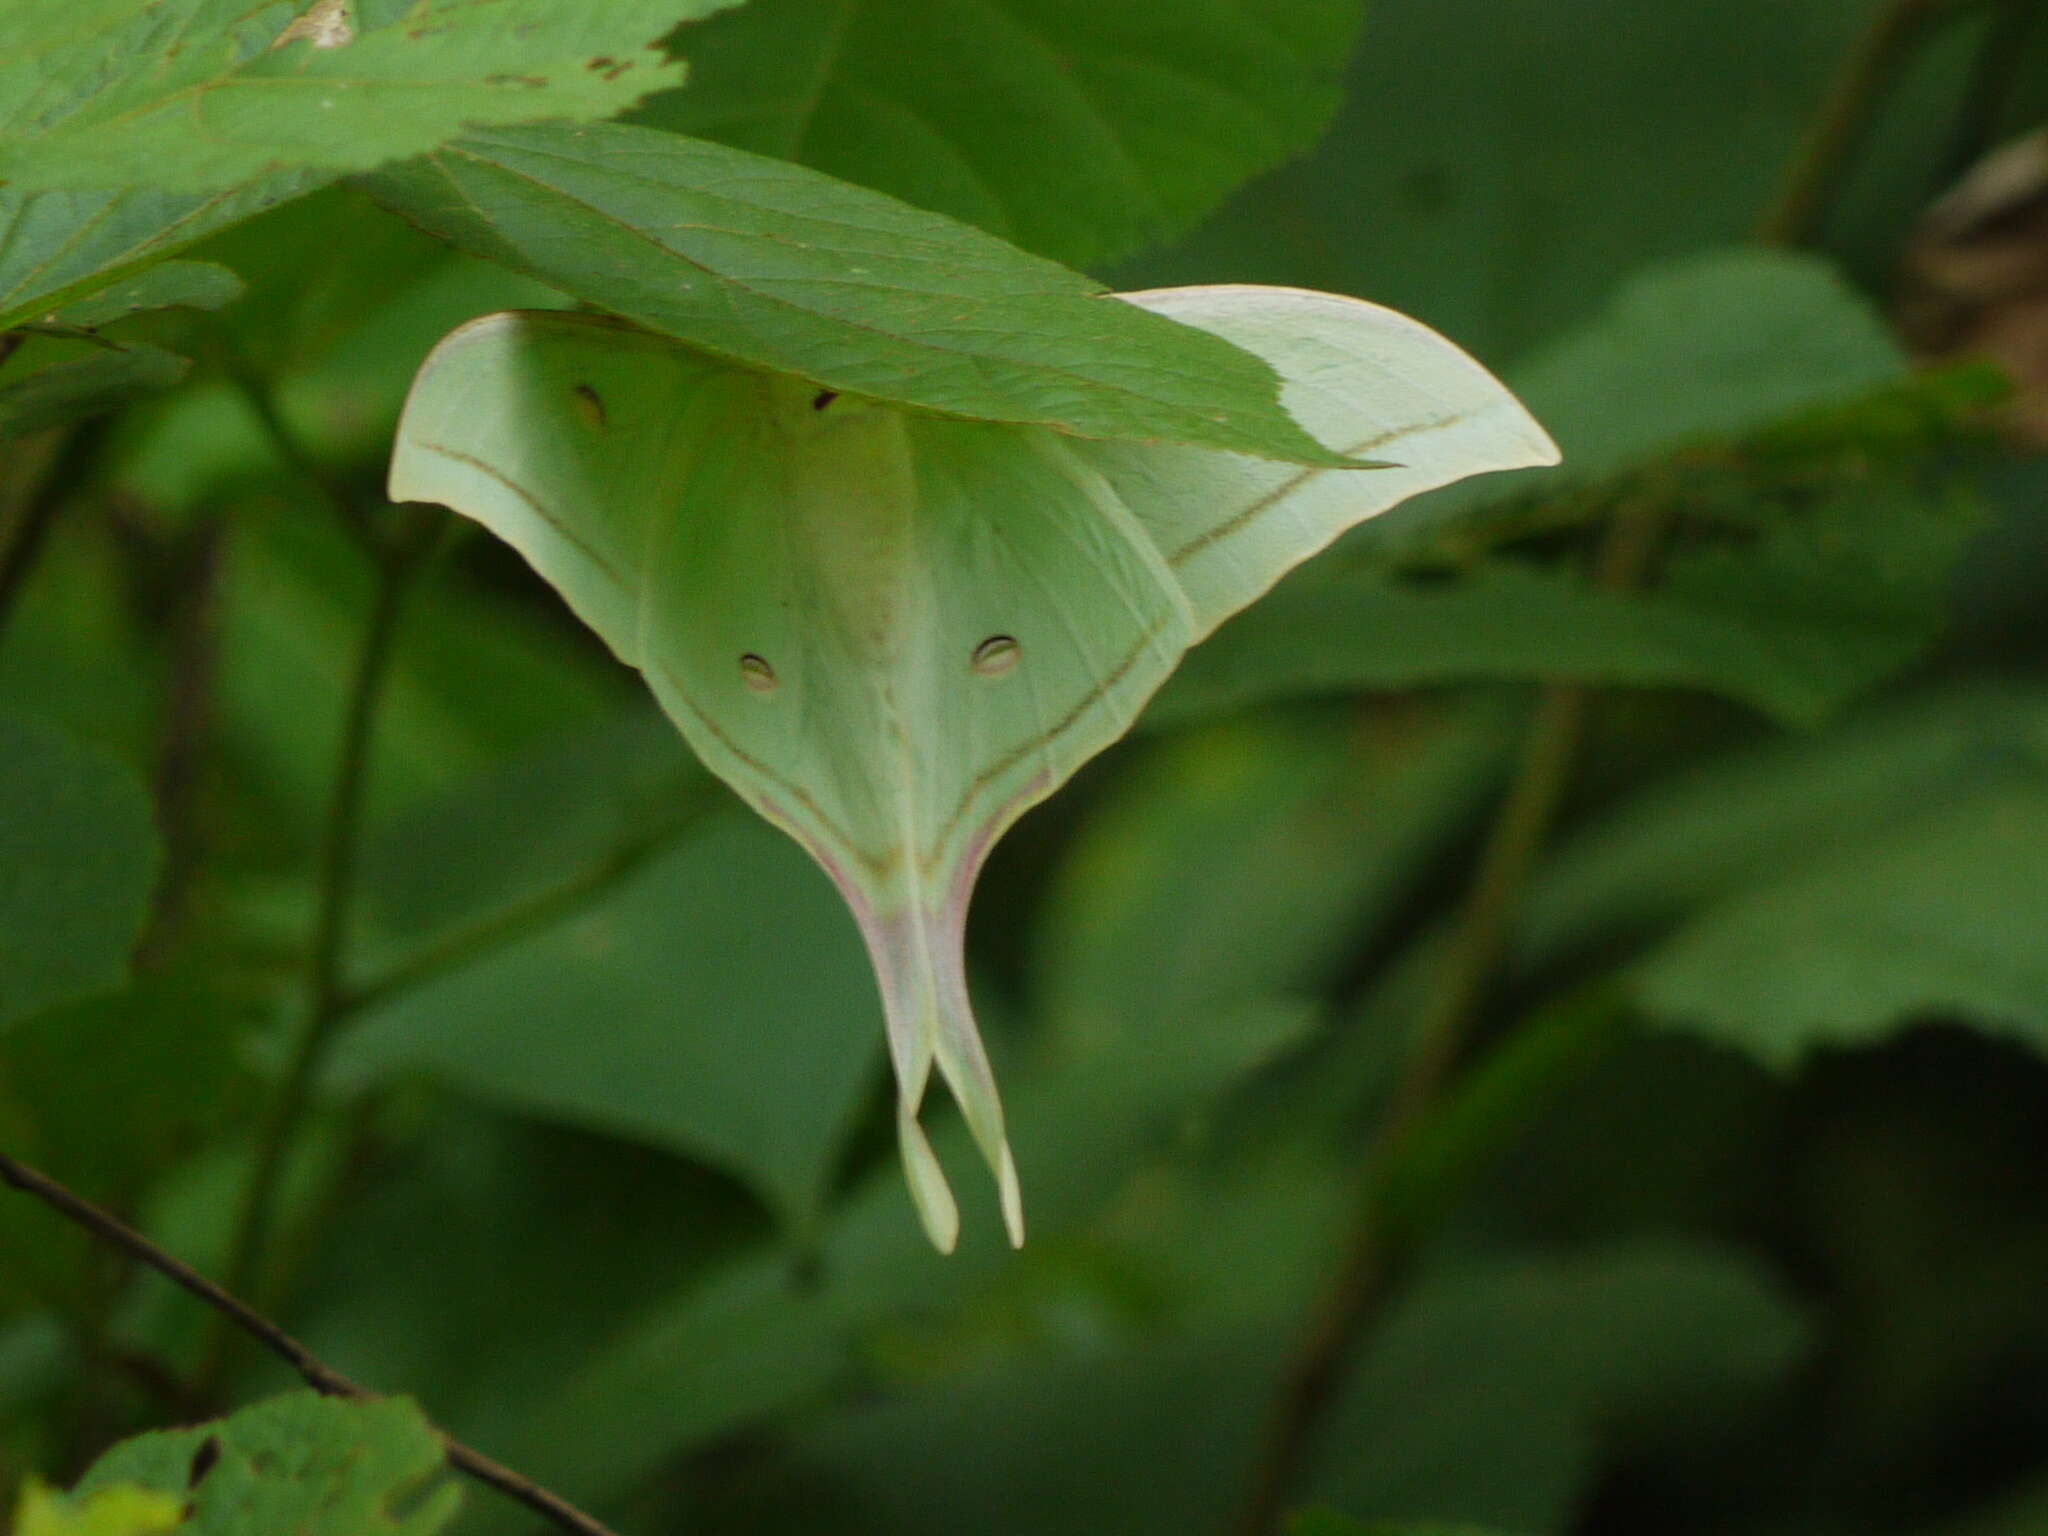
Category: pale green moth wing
[893,633]
[1367,381]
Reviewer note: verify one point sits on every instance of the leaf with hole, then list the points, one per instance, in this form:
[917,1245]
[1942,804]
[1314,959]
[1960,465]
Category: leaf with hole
[313,1465]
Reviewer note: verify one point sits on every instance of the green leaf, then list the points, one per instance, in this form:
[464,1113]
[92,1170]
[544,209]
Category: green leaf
[343,300]
[1939,919]
[472,678]
[110,1093]
[115,1088]
[121,1510]
[311,1465]
[1706,350]
[544,820]
[201,95]
[543,1239]
[1530,1366]
[775,266]
[1496,168]
[1236,864]
[57,248]
[1525,1367]
[1198,838]
[50,383]
[1737,820]
[170,284]
[1817,607]
[718,1004]
[1327,1522]
[95,83]
[78,856]
[1137,120]
[1702,352]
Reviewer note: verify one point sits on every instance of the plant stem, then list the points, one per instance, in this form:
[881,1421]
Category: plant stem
[327,998]
[70,465]
[193,641]
[318,1375]
[1838,130]
[500,928]
[1374,1251]
[287,443]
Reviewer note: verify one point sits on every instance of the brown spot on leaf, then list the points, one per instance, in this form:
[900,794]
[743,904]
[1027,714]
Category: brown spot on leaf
[325,24]
[204,1460]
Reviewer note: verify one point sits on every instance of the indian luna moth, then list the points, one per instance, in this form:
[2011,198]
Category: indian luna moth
[892,632]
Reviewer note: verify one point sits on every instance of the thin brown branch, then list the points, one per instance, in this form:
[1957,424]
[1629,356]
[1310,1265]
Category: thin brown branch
[327,999]
[70,465]
[285,441]
[194,645]
[1374,1252]
[315,1372]
[1838,130]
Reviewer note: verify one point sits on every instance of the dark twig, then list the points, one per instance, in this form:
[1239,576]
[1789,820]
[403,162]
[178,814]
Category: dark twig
[1374,1253]
[1375,1248]
[60,481]
[1838,130]
[194,645]
[316,1373]
[291,448]
[327,999]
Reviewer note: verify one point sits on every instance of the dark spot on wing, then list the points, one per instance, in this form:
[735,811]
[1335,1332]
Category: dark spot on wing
[996,655]
[824,398]
[757,674]
[591,404]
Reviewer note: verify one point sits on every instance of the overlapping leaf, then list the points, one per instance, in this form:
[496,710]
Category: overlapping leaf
[779,267]
[61,248]
[70,372]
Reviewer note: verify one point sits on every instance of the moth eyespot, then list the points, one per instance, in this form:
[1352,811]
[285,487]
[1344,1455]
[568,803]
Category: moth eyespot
[757,674]
[590,406]
[823,398]
[996,655]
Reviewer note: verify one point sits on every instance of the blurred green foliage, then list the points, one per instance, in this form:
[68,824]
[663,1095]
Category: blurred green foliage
[1727,1213]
